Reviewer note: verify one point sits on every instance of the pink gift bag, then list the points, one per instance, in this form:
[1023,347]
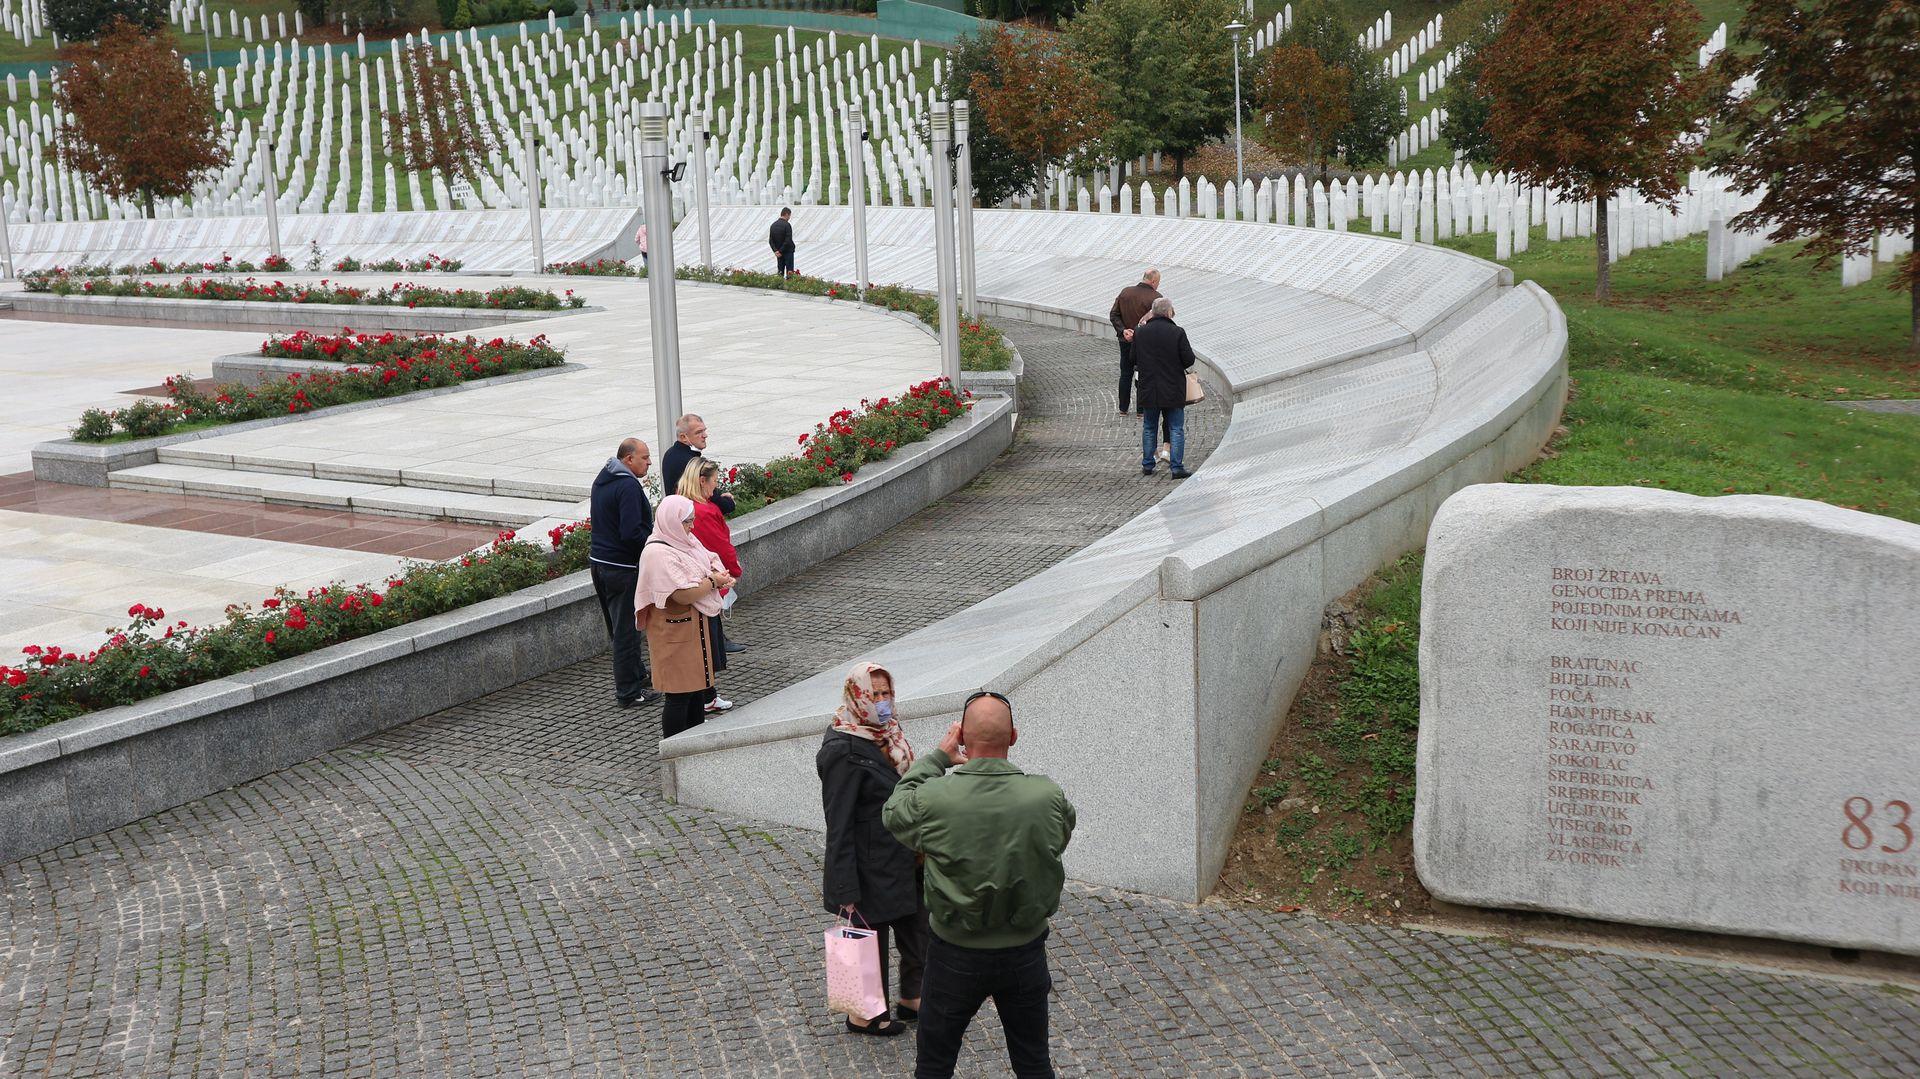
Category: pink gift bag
[853,972]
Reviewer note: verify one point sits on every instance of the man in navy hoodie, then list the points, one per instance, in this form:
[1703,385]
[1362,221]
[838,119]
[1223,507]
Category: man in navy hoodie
[622,521]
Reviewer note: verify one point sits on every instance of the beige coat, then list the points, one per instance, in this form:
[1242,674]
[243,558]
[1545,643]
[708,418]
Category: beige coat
[681,650]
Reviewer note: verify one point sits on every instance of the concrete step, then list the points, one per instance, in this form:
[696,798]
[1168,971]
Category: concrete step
[210,454]
[393,500]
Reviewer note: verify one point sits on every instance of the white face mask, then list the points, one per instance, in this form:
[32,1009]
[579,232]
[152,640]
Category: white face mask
[883,709]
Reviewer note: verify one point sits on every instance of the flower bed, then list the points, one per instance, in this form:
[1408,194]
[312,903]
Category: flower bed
[379,365]
[152,656]
[398,294]
[596,268]
[431,264]
[982,348]
[848,439]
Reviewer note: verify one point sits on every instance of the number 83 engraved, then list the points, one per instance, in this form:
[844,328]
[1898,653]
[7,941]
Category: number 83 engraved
[1858,834]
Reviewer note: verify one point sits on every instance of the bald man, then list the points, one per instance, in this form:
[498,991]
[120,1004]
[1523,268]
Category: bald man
[622,519]
[992,836]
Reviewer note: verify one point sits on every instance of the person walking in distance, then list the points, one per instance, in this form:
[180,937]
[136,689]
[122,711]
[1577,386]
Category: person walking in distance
[868,875]
[1129,309]
[680,584]
[622,520]
[1162,355]
[992,837]
[780,238]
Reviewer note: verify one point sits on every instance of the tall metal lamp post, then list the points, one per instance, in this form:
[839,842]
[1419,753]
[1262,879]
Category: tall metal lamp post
[1237,28]
[657,194]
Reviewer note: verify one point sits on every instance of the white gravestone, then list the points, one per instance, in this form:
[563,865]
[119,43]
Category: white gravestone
[1650,707]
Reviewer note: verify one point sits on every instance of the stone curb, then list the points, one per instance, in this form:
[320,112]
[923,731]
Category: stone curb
[99,771]
[88,464]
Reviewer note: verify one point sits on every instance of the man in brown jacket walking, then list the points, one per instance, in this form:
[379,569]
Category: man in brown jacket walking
[1129,310]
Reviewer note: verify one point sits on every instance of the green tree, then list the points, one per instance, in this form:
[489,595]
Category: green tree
[1590,97]
[1832,127]
[1471,29]
[1375,113]
[1163,70]
[84,20]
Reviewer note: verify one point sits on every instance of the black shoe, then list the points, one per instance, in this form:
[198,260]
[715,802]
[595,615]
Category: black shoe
[904,1013]
[1181,473]
[880,1027]
[734,647]
[647,696]
[1146,470]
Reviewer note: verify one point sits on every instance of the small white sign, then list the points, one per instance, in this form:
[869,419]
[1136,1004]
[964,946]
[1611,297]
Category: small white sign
[462,192]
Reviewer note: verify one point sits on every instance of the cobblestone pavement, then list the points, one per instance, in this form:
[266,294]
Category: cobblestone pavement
[498,890]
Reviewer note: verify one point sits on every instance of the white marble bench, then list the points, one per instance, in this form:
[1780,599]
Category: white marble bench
[1367,380]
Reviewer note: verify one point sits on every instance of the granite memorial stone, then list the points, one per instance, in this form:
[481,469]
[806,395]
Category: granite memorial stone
[1650,707]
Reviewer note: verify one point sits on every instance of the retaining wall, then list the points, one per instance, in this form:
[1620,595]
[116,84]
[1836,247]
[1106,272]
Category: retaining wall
[85,775]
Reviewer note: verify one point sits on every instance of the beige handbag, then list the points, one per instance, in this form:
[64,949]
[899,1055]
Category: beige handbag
[1196,393]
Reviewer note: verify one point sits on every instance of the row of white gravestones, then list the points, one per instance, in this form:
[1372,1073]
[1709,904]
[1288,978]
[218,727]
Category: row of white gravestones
[1418,135]
[1375,37]
[1264,37]
[1434,79]
[588,160]
[1402,59]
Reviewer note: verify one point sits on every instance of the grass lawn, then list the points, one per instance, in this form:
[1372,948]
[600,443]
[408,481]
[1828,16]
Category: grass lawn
[1679,383]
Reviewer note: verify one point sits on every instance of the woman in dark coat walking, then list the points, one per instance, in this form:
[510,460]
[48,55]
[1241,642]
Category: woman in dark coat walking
[869,874]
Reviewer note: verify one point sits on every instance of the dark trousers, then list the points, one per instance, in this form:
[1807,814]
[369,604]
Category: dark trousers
[959,980]
[783,263]
[614,585]
[684,711]
[911,934]
[719,638]
[1126,375]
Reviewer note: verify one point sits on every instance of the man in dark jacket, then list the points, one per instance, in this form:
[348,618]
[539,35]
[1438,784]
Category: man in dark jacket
[622,520]
[780,238]
[992,836]
[1129,308]
[1162,356]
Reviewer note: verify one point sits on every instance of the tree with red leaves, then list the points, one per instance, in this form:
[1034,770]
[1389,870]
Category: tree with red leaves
[1591,97]
[1302,103]
[142,125]
[1832,127]
[1038,101]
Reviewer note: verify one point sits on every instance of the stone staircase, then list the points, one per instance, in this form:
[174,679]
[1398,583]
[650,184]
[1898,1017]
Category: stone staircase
[462,499]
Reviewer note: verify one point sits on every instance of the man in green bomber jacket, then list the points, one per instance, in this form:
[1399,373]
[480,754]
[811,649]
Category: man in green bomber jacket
[992,836]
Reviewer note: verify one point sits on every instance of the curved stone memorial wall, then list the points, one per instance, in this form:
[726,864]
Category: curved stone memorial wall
[485,241]
[1651,707]
[1367,379]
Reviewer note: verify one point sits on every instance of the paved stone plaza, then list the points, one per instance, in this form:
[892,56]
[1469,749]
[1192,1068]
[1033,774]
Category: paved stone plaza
[499,890]
[761,367]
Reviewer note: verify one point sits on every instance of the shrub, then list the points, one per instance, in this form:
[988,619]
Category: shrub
[153,656]
[373,366]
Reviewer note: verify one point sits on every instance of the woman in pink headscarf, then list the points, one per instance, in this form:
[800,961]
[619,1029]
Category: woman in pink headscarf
[679,587]
[869,875]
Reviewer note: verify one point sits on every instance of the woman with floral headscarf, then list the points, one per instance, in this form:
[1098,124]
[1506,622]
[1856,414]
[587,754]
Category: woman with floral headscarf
[869,875]
[679,588]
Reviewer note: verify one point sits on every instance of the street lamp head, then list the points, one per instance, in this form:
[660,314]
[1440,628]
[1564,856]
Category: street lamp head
[1236,28]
